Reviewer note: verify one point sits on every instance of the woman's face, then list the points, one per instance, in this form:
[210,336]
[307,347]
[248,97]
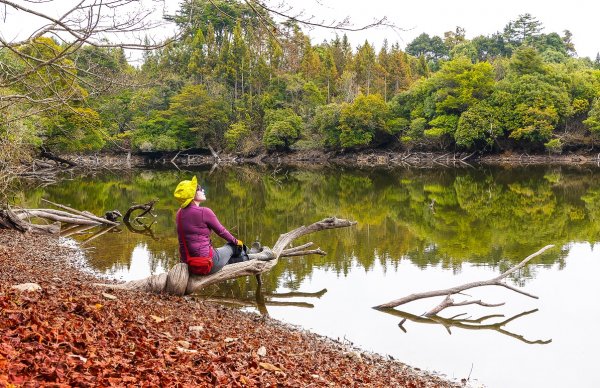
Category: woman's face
[200,195]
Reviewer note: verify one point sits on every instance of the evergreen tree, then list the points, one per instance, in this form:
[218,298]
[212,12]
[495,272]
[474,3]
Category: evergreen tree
[364,67]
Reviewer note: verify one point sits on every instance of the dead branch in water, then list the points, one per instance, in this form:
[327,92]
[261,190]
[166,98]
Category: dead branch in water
[449,302]
[85,214]
[146,208]
[178,281]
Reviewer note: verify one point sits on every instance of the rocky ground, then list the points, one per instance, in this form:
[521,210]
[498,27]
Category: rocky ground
[69,333]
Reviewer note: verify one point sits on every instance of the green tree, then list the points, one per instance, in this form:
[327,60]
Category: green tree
[197,116]
[478,126]
[283,128]
[593,120]
[526,60]
[326,122]
[432,48]
[73,129]
[235,136]
[198,65]
[329,71]
[454,38]
[363,121]
[522,31]
[364,67]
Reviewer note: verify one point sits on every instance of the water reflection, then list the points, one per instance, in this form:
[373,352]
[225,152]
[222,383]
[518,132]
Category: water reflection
[417,230]
[260,300]
[492,217]
[466,323]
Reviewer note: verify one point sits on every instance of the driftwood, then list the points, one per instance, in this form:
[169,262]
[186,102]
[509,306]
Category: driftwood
[76,229]
[144,229]
[84,214]
[20,219]
[178,281]
[55,215]
[214,154]
[449,302]
[140,227]
[56,158]
[10,220]
[105,229]
[113,215]
[146,208]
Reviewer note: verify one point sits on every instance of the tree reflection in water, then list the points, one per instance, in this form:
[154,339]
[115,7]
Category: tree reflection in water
[466,323]
[262,300]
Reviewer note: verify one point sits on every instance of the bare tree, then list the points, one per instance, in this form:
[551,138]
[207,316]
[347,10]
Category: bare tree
[41,66]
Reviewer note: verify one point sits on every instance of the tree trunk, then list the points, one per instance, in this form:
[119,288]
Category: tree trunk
[178,281]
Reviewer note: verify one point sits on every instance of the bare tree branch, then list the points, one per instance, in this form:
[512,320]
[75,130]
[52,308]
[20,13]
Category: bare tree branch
[178,281]
[497,281]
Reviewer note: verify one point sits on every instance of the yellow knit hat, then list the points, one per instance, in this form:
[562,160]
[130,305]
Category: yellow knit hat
[186,191]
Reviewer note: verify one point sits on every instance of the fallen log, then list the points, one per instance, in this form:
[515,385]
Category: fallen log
[178,281]
[55,215]
[83,213]
[10,220]
[56,158]
[19,219]
[449,302]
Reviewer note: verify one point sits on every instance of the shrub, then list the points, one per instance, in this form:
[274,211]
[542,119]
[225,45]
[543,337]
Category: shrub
[554,146]
[236,134]
[283,129]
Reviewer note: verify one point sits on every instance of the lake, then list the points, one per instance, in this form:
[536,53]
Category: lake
[418,230]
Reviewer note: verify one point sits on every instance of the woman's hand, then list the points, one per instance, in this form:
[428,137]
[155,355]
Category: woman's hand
[240,243]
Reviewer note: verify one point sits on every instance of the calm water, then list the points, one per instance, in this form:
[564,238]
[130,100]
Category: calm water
[417,230]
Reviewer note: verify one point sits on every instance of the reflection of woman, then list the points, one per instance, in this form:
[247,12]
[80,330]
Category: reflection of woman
[194,225]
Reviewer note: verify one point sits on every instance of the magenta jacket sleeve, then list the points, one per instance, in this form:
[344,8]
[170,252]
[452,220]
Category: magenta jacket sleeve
[213,223]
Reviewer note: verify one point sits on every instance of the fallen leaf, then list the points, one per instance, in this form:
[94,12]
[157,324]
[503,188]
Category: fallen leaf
[27,287]
[262,351]
[78,356]
[157,319]
[268,366]
[109,296]
[184,350]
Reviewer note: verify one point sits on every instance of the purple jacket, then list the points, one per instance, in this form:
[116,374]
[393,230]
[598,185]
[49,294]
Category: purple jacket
[197,223]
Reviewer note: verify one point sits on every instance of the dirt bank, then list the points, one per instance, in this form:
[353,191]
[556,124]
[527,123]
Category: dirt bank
[70,333]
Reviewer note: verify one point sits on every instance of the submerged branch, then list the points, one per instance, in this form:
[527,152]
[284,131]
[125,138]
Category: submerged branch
[497,281]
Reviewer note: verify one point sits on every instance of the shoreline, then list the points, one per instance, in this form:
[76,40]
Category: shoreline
[71,332]
[315,159]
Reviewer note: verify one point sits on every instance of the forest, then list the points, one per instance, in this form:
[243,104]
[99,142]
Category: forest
[238,80]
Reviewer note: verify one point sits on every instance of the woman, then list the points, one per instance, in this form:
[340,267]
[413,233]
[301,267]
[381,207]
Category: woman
[194,225]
